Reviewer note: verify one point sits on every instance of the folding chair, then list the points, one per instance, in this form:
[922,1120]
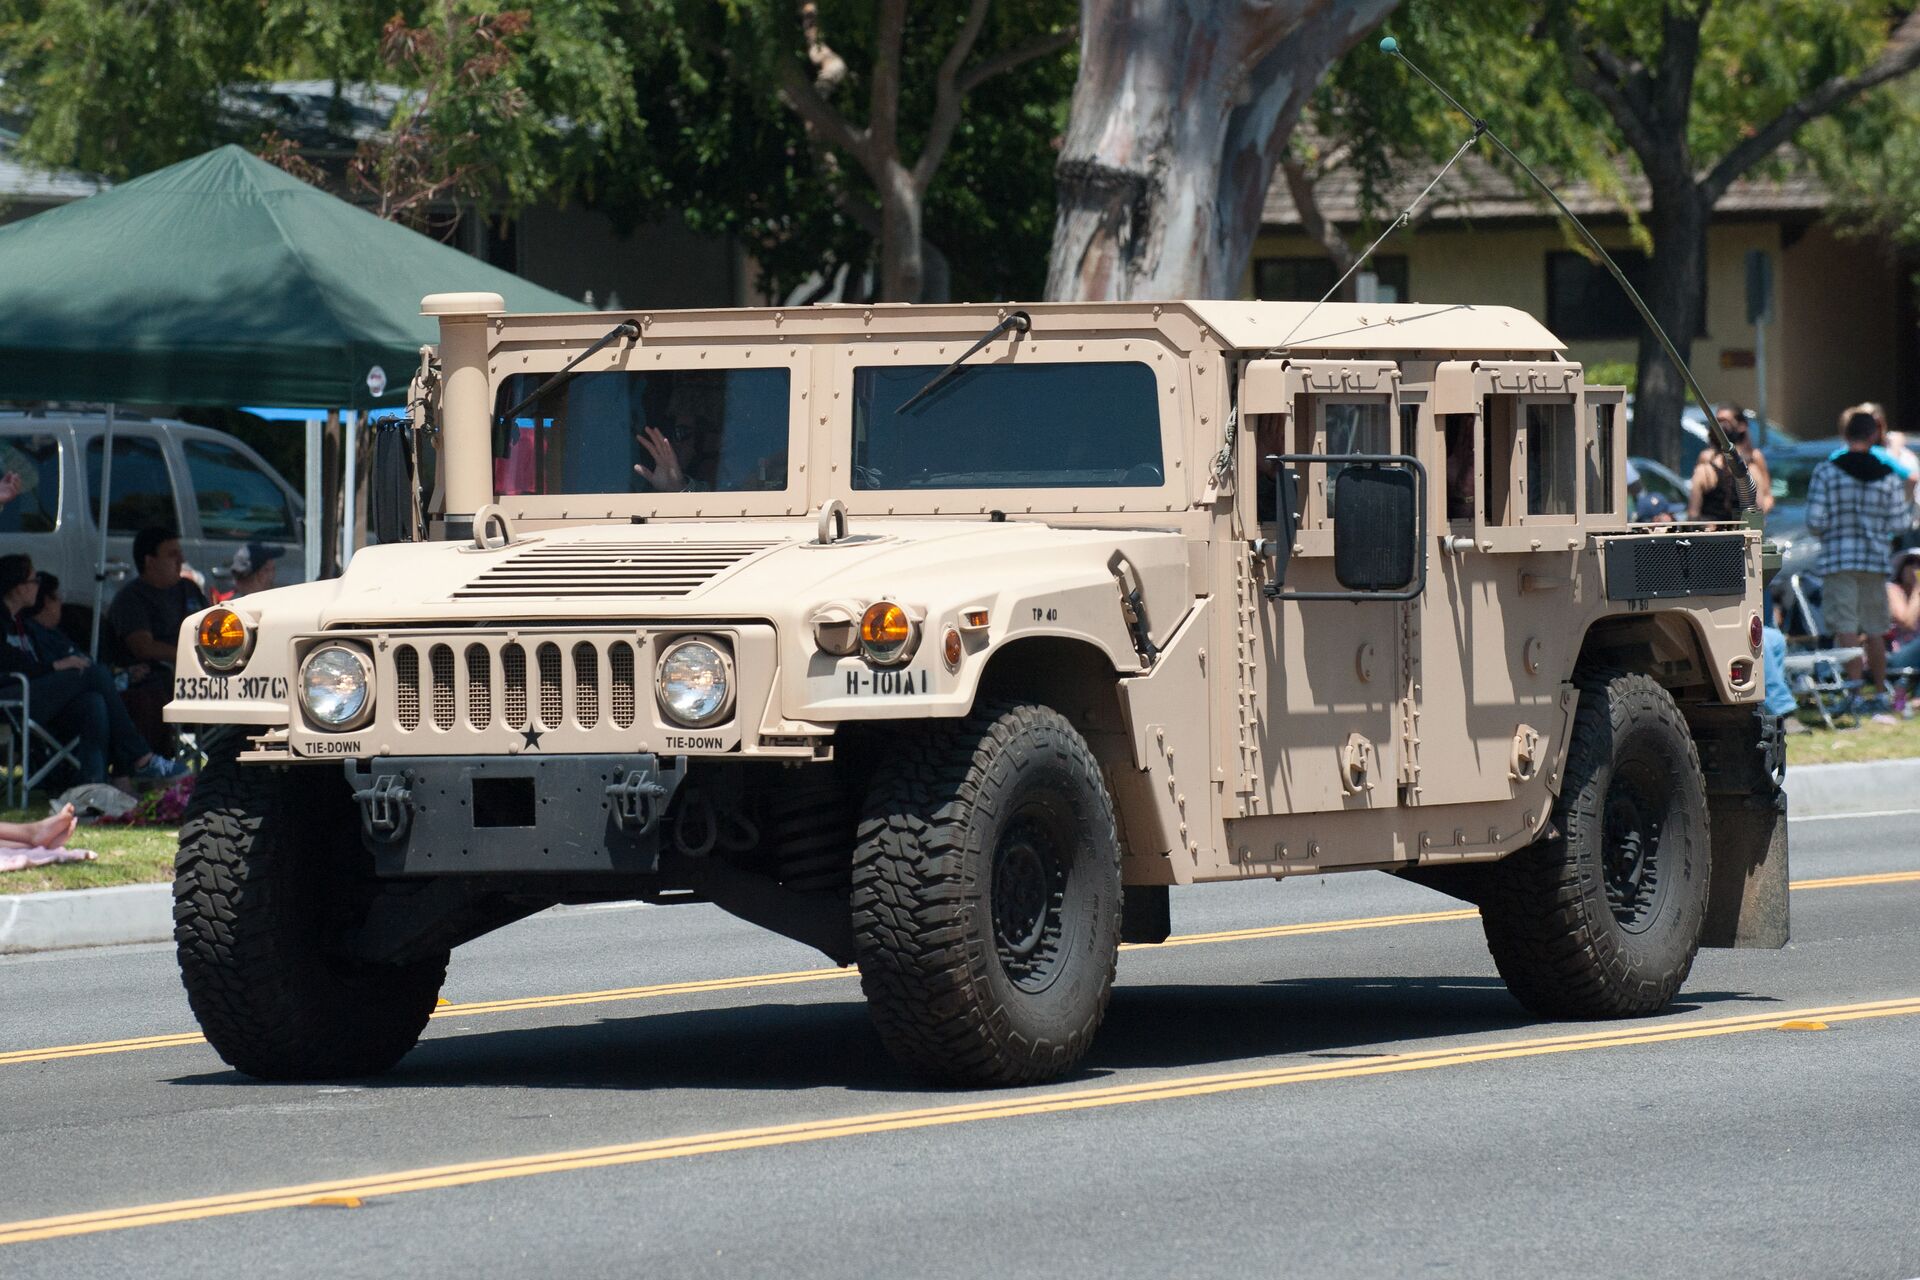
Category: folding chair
[1815,668]
[23,731]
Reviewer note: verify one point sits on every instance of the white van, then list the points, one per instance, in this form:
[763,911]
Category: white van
[215,490]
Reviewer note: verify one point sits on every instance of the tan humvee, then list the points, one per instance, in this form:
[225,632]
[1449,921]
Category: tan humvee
[955,680]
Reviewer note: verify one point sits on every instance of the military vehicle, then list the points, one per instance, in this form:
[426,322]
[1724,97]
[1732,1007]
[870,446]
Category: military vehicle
[949,639]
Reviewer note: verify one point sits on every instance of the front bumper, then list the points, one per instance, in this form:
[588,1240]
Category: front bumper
[478,815]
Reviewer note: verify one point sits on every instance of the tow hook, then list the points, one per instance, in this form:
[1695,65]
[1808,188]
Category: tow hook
[1133,607]
[384,807]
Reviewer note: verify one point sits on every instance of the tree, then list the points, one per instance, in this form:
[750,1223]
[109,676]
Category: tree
[1771,69]
[1182,110]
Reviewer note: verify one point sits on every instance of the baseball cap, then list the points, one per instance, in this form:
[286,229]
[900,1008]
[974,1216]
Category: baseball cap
[254,556]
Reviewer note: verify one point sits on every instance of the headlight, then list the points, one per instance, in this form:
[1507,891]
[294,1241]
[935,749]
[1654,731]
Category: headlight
[888,634]
[694,683]
[223,641]
[336,686]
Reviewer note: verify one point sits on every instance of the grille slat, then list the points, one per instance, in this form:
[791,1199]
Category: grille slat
[440,657]
[586,685]
[610,569]
[513,686]
[479,686]
[552,710]
[620,664]
[406,693]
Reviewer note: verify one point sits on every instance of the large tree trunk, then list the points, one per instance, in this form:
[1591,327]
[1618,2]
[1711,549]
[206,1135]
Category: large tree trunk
[1676,294]
[1181,110]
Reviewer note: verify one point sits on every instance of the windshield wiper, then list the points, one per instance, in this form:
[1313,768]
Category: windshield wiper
[1018,321]
[625,329]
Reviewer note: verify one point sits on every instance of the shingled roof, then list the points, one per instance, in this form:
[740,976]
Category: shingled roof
[1478,191]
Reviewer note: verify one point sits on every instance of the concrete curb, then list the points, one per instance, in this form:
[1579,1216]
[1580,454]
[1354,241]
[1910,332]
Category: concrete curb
[1871,786]
[86,917]
[144,912]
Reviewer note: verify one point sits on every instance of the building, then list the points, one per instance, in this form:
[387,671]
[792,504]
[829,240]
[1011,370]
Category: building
[1844,311]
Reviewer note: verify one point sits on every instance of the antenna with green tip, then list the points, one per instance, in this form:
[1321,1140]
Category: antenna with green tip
[1743,483]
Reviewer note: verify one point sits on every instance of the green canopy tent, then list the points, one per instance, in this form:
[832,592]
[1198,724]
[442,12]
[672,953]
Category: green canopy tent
[222,280]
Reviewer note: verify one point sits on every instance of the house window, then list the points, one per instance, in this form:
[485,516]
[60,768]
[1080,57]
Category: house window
[1308,279]
[1585,301]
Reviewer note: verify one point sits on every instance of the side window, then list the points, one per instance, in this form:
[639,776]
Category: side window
[1600,491]
[1498,415]
[1553,460]
[236,500]
[33,462]
[1354,428]
[1459,430]
[142,491]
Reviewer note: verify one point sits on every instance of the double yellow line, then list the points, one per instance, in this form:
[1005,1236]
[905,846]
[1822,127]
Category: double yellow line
[351,1192]
[796,977]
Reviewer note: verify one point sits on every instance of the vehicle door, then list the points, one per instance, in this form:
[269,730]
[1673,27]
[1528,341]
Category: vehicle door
[234,498]
[33,521]
[1529,465]
[1326,675]
[144,493]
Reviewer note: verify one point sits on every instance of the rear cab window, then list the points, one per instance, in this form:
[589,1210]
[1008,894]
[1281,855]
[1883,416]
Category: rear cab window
[32,459]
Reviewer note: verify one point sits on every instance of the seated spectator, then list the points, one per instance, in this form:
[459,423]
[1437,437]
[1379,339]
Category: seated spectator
[1903,612]
[145,620]
[1773,670]
[254,567]
[70,694]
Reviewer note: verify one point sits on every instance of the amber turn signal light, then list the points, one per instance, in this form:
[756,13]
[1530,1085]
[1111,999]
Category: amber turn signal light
[223,641]
[887,634]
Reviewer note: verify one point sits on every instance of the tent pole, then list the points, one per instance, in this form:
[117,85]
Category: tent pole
[100,561]
[313,487]
[350,485]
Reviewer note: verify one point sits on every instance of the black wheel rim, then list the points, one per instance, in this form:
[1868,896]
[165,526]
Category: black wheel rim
[1634,840]
[1028,895]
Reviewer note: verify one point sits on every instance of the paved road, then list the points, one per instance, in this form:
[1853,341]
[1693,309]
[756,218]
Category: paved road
[1347,1092]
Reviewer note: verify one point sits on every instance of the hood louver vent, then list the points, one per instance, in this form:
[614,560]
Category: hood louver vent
[656,569]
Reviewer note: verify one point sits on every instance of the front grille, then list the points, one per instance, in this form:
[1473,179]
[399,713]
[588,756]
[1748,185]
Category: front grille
[616,569]
[574,683]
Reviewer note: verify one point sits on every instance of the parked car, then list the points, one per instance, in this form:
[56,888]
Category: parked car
[1661,489]
[215,490]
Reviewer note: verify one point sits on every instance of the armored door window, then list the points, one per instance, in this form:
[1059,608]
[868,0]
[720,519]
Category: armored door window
[1601,496]
[1552,449]
[1352,427]
[1499,438]
[34,462]
[236,500]
[1459,430]
[142,489]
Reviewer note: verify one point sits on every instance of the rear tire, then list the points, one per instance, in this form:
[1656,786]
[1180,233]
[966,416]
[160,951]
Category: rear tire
[1603,920]
[986,897]
[270,878]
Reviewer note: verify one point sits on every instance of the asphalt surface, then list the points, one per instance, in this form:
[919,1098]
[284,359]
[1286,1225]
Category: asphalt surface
[1360,1100]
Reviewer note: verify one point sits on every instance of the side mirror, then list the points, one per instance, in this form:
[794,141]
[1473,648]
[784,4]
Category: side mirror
[1376,538]
[1379,525]
[390,508]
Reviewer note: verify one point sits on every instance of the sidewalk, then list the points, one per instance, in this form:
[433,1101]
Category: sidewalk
[144,912]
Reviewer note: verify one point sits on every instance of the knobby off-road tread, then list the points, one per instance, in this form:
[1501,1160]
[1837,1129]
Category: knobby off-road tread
[1546,916]
[921,920]
[266,865]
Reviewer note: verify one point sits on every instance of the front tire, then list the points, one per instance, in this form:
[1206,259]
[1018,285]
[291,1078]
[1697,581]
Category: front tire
[1603,919]
[986,897]
[271,876]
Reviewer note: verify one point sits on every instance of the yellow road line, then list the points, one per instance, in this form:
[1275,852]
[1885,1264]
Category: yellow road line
[754,981]
[441,1177]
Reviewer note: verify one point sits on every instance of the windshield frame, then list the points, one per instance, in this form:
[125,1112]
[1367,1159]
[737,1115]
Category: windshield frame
[1173,402]
[545,358]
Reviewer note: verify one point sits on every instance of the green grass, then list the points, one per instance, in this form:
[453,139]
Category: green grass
[1867,741]
[128,855]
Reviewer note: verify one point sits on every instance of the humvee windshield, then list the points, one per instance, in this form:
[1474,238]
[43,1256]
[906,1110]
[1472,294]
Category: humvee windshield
[1026,426]
[690,430]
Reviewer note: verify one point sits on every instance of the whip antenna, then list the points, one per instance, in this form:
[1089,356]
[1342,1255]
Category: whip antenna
[1743,482]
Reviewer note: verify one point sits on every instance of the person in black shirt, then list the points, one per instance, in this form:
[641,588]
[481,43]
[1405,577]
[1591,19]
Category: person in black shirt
[68,692]
[145,620]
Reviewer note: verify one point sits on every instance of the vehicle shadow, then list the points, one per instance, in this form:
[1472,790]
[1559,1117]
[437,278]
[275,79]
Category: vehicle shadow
[831,1044]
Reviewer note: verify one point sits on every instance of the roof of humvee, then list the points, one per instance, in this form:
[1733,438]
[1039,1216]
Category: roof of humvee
[1374,326]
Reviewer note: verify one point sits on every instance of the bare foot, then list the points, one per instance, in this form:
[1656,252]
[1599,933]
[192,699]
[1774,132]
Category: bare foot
[51,833]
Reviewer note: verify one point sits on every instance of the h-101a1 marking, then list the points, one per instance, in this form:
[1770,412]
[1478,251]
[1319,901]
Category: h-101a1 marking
[884,683]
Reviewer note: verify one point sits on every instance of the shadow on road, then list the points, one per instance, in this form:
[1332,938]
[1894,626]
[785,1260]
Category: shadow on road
[831,1044]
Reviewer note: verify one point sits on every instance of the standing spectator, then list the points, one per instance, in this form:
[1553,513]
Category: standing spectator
[1856,503]
[254,567]
[1714,495]
[145,620]
[69,693]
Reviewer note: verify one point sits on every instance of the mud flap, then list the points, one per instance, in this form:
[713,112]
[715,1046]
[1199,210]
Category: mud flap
[1743,758]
